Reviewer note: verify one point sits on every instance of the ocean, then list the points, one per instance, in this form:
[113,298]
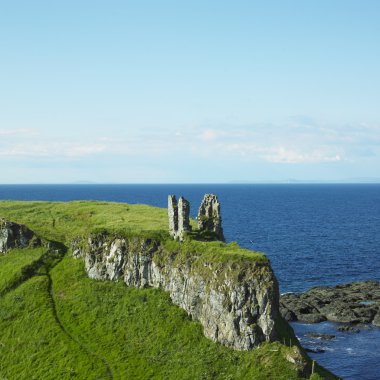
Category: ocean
[312,234]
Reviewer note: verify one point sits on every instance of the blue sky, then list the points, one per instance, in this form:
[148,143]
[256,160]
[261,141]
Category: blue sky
[195,91]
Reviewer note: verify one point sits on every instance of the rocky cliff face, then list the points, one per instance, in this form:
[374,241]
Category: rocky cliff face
[13,235]
[236,302]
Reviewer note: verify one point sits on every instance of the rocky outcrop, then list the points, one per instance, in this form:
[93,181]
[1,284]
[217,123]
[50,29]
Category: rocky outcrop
[13,235]
[236,302]
[209,218]
[357,302]
[179,219]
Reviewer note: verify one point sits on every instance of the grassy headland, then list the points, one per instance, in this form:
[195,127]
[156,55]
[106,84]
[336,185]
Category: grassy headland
[56,323]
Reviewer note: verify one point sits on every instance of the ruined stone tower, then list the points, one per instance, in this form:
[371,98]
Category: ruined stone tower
[172,215]
[209,218]
[178,214]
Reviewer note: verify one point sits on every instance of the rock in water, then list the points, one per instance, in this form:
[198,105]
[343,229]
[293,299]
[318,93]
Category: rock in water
[13,235]
[321,336]
[356,302]
[209,218]
[348,328]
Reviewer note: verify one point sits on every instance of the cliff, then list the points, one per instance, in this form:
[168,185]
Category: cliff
[125,331]
[236,301]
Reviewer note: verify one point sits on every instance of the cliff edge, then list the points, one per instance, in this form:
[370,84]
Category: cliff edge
[236,300]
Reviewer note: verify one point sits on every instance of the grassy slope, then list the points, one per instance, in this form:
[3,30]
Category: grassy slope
[61,220]
[32,344]
[11,265]
[75,327]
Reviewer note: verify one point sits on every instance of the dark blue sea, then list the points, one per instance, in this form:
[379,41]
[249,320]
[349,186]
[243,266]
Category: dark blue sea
[312,234]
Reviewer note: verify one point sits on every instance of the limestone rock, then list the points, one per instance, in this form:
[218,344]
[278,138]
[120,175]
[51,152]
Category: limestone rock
[75,247]
[209,218]
[237,306]
[295,357]
[13,235]
[376,319]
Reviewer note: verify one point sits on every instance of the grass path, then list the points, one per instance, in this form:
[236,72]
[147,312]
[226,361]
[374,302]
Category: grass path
[42,267]
[69,334]
[15,273]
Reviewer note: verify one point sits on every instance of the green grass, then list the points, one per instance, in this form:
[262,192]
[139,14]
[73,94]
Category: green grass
[137,333]
[62,221]
[12,264]
[56,323]
[32,345]
[144,336]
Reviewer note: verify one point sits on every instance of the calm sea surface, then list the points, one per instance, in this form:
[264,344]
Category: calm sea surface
[312,234]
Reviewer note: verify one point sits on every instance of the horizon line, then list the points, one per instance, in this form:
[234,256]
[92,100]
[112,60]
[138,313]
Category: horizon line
[284,182]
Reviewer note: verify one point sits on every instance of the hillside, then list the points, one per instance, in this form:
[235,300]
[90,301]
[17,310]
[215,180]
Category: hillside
[58,323]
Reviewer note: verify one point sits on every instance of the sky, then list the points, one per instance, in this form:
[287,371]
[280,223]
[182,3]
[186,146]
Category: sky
[189,91]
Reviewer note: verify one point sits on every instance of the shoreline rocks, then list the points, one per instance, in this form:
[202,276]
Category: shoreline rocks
[353,303]
[320,336]
[348,328]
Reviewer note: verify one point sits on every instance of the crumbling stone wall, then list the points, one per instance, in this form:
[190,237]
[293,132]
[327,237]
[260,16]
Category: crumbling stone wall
[209,218]
[179,219]
[172,215]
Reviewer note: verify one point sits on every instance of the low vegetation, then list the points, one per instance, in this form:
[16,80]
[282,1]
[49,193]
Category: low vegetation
[56,323]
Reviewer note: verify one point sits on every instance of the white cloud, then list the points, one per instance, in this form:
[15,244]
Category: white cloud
[209,135]
[17,132]
[284,155]
[292,143]
[83,150]
[49,149]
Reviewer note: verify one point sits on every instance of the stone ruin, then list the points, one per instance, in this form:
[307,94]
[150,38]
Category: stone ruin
[209,218]
[179,220]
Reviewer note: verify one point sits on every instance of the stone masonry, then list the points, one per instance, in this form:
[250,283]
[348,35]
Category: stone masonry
[209,218]
[178,214]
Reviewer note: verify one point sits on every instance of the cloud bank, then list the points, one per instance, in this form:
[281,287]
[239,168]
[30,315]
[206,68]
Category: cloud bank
[292,143]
